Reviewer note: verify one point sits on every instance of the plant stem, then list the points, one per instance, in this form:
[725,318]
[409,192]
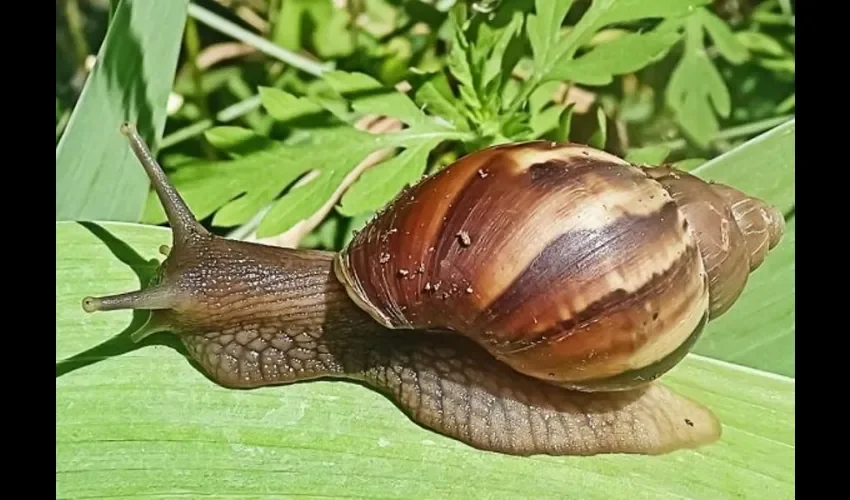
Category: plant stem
[193,49]
[228,28]
[75,26]
[227,114]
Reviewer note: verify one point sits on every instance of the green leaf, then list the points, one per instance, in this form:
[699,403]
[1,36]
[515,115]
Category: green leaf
[288,22]
[759,329]
[600,14]
[494,65]
[649,155]
[696,89]
[438,100]
[787,104]
[370,96]
[331,35]
[378,185]
[251,182]
[326,27]
[544,27]
[626,54]
[283,106]
[621,11]
[459,61]
[600,137]
[161,428]
[237,141]
[97,175]
[728,44]
[237,190]
[301,202]
[763,166]
[759,42]
[565,124]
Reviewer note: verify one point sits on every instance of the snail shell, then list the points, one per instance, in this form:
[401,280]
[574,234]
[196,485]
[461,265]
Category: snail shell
[565,262]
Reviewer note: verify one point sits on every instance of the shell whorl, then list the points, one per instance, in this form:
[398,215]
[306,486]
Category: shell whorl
[734,231]
[565,262]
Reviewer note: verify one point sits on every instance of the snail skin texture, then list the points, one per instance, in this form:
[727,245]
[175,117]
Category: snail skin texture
[522,300]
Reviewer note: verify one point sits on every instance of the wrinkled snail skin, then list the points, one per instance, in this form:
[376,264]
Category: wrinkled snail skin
[479,300]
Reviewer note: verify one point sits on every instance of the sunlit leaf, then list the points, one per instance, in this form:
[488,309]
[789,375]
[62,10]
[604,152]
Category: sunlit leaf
[97,175]
[162,428]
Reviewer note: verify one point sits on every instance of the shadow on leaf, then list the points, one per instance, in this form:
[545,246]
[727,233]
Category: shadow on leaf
[121,343]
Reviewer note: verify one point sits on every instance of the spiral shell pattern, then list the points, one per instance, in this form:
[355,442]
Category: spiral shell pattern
[565,262]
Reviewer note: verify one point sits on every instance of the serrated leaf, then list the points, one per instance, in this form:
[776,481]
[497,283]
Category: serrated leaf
[378,185]
[159,420]
[368,95]
[97,175]
[556,116]
[648,155]
[562,134]
[626,54]
[321,154]
[494,65]
[237,141]
[442,104]
[299,203]
[236,190]
[696,90]
[605,12]
[283,106]
[209,186]
[459,63]
[727,43]
[544,27]
[620,11]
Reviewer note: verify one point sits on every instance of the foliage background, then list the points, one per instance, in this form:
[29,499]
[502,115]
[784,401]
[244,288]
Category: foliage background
[291,121]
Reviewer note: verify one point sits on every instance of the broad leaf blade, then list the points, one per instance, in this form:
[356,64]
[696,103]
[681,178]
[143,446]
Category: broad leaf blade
[626,54]
[97,175]
[380,184]
[764,166]
[162,428]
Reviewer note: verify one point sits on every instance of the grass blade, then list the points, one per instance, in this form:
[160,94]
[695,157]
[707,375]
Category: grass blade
[97,176]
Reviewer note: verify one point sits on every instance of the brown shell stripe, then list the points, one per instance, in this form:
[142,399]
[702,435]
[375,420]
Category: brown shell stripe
[509,259]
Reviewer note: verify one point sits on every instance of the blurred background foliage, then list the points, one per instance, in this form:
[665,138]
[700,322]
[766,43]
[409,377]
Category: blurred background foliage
[725,74]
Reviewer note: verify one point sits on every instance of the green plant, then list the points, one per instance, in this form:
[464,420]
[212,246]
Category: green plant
[245,143]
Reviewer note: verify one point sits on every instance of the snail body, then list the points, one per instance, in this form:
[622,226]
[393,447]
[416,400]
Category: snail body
[522,300]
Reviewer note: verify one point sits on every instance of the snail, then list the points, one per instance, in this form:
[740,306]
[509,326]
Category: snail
[523,300]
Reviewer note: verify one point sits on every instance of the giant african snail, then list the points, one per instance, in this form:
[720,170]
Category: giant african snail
[521,300]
